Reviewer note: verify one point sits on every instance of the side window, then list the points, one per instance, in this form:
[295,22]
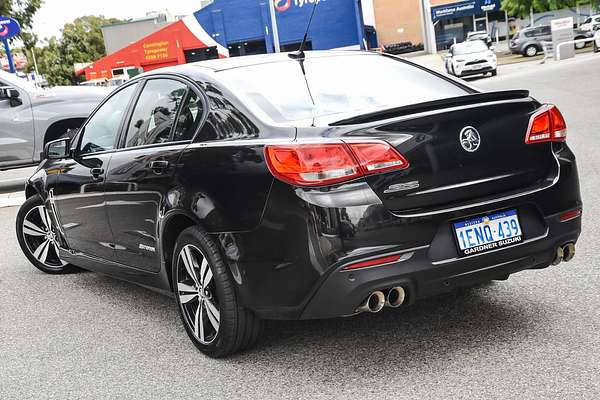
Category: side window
[155,112]
[189,117]
[546,30]
[101,130]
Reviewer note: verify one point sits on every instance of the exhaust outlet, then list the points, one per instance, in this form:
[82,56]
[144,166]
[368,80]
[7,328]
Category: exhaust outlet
[374,303]
[558,257]
[395,297]
[568,252]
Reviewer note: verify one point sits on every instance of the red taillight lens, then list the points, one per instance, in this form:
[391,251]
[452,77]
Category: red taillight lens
[312,164]
[319,164]
[377,157]
[546,125]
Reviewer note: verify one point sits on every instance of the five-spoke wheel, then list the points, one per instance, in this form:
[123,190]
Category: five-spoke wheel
[207,298]
[197,294]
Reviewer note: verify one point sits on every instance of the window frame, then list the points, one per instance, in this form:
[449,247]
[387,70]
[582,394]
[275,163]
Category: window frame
[81,132]
[190,85]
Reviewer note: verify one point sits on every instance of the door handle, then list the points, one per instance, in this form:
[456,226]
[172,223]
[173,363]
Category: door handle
[159,166]
[96,172]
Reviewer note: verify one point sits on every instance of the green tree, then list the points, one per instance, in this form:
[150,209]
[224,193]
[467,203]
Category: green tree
[522,8]
[81,42]
[23,11]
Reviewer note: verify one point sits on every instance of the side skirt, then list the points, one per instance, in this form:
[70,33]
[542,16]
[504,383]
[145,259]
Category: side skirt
[156,281]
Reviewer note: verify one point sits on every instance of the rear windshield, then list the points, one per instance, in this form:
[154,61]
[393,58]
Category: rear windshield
[338,85]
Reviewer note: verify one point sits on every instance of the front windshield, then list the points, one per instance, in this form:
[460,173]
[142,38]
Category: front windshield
[338,84]
[470,47]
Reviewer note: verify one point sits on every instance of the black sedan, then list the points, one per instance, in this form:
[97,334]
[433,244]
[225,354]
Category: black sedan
[303,186]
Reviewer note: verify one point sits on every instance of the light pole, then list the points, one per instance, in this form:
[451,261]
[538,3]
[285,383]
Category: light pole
[274,26]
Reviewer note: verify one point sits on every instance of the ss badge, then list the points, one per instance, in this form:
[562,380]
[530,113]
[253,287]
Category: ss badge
[400,187]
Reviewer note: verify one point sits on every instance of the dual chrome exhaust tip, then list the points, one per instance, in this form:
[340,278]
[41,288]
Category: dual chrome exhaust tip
[564,253]
[375,302]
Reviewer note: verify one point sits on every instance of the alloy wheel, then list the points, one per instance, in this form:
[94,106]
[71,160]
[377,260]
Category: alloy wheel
[40,238]
[197,294]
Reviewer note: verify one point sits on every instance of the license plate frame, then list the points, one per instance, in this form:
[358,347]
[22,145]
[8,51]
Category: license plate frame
[492,219]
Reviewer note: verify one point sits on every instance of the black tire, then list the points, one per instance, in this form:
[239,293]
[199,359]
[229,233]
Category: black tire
[596,49]
[237,328]
[34,234]
[530,51]
[495,72]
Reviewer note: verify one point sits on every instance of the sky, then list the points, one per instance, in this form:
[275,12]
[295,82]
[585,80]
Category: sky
[53,14]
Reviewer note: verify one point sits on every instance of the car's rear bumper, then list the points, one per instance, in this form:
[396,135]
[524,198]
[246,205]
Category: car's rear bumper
[290,266]
[343,291]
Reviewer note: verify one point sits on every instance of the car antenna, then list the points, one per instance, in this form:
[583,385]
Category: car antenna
[299,55]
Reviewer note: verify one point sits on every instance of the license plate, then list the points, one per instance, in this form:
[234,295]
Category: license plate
[489,232]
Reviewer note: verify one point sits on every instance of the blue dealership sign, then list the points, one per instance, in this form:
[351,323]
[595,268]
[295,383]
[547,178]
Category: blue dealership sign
[9,28]
[464,9]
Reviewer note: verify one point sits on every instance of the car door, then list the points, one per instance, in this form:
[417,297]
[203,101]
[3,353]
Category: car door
[16,129]
[79,196]
[141,173]
[544,33]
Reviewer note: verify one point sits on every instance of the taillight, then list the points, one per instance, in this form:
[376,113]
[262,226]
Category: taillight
[546,125]
[319,164]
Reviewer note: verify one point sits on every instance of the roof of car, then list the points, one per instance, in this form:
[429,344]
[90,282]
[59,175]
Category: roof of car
[223,64]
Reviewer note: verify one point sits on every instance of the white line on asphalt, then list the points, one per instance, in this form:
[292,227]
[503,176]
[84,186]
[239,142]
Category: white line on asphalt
[11,199]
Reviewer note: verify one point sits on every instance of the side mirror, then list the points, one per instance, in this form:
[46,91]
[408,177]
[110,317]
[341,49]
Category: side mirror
[58,149]
[12,95]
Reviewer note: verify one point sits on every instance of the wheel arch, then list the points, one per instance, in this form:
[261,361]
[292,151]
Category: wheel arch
[173,224]
[30,190]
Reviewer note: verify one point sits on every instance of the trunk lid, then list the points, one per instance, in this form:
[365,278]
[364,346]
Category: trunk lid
[464,151]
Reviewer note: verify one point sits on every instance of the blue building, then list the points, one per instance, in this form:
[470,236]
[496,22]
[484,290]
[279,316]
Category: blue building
[245,26]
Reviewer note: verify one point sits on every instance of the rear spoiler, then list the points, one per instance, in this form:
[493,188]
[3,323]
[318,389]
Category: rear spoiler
[469,99]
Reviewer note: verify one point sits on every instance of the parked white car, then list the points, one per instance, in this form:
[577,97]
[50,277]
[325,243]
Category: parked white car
[471,58]
[590,23]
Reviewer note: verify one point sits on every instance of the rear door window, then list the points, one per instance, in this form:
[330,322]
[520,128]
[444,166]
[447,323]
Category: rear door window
[155,112]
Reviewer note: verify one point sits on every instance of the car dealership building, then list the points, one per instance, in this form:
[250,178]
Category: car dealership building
[436,21]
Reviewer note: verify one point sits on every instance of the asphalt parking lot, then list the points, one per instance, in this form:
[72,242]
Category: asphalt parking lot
[534,336]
